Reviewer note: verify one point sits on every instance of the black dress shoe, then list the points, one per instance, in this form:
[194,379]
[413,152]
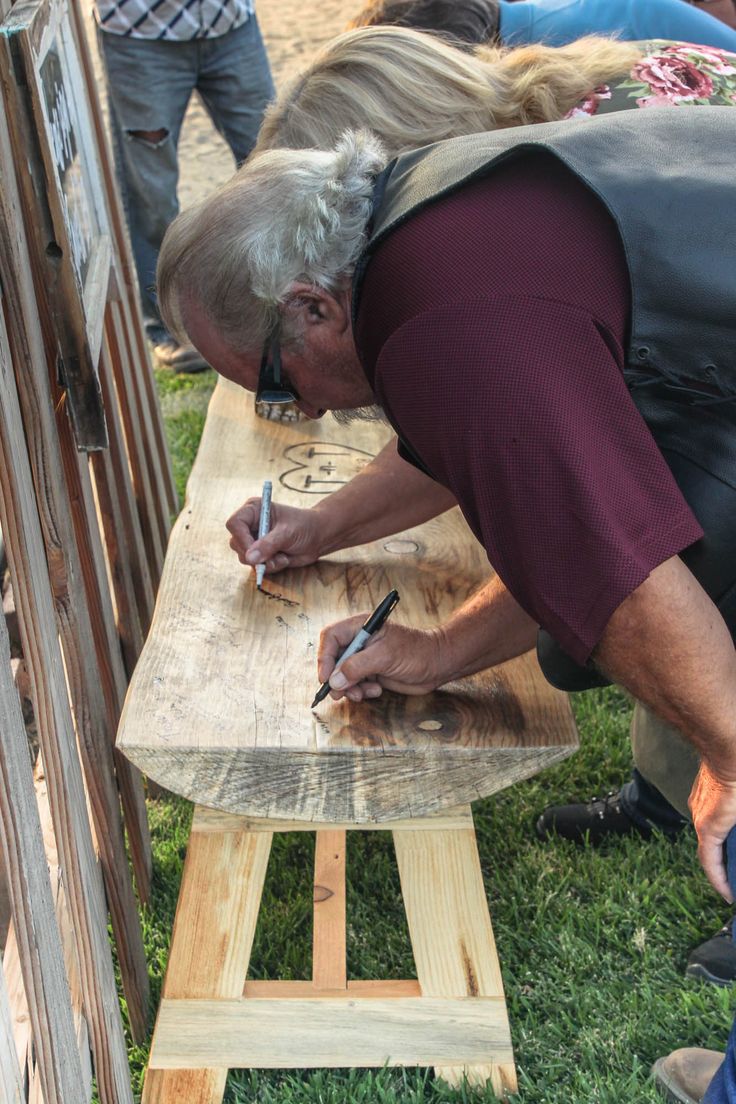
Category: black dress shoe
[591,823]
[715,960]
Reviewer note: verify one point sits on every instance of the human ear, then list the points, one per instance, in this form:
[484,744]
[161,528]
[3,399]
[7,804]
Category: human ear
[319,306]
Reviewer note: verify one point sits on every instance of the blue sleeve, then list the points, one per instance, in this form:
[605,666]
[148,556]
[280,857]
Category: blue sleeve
[556,22]
[676,20]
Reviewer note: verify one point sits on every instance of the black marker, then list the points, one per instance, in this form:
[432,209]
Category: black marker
[376,620]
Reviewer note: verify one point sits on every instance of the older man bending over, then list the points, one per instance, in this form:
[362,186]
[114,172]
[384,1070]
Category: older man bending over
[553,339]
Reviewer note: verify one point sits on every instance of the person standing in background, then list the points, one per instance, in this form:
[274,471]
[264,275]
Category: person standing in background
[558,22]
[156,53]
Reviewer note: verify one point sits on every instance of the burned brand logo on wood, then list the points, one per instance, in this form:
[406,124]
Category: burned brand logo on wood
[321,467]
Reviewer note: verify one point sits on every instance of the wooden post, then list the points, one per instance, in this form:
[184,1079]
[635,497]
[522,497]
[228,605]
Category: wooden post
[215,922]
[328,941]
[11,1083]
[37,933]
[450,930]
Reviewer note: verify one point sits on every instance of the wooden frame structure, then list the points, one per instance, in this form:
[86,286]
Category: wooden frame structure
[453,1017]
[85,533]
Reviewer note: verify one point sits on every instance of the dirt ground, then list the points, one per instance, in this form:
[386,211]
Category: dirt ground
[293,30]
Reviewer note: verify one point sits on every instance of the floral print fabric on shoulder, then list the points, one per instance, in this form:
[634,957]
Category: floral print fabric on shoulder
[669,74]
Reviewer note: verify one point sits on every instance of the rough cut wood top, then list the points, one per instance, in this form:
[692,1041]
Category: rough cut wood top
[218,707]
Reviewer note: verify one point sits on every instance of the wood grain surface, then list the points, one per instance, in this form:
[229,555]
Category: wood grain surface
[34,921]
[218,708]
[274,1034]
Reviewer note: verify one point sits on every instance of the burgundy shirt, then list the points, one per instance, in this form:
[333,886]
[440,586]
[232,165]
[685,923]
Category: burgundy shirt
[492,327]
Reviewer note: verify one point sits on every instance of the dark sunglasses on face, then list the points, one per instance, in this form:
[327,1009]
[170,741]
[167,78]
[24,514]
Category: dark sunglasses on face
[273,385]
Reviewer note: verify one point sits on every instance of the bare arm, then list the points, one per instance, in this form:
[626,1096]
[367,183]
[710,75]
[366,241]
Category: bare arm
[669,646]
[488,629]
[666,643]
[387,496]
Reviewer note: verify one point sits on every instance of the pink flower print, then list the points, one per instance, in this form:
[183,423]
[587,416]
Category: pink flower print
[673,78]
[656,101]
[717,61]
[589,106]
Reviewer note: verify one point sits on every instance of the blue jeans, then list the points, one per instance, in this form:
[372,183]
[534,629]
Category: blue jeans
[149,86]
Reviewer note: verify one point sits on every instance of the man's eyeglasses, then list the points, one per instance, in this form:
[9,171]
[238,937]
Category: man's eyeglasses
[273,386]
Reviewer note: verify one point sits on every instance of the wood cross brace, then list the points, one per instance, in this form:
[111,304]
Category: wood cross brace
[453,1017]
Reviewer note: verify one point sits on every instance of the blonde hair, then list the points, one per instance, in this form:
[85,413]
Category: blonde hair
[412,89]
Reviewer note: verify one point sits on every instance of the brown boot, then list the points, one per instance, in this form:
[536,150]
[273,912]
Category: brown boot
[684,1075]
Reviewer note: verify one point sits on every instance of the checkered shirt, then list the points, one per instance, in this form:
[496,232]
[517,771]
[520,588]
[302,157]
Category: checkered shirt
[172,20]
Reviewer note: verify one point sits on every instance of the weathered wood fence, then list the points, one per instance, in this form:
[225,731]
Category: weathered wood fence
[86,501]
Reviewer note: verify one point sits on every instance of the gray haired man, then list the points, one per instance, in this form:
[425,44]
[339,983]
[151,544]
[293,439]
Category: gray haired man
[553,340]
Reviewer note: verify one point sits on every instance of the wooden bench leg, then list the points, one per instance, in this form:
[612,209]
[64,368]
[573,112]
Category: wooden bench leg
[211,943]
[450,930]
[329,938]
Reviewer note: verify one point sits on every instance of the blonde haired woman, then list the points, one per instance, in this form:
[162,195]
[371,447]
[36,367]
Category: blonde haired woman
[411,89]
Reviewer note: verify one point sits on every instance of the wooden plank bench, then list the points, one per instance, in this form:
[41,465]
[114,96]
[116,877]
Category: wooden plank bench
[219,711]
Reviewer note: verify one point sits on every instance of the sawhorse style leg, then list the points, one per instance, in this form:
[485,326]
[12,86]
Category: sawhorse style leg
[450,931]
[219,900]
[211,1019]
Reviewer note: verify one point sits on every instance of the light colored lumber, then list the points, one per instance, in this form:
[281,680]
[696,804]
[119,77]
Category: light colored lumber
[215,820]
[145,462]
[132,589]
[215,922]
[117,514]
[219,705]
[21,1021]
[144,582]
[34,920]
[29,562]
[308,1033]
[303,990]
[12,967]
[66,928]
[328,937]
[11,1081]
[451,933]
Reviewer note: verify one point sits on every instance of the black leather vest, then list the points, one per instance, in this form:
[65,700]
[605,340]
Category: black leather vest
[668,179]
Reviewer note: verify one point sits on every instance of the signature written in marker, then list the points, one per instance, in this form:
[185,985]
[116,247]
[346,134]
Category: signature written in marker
[279,598]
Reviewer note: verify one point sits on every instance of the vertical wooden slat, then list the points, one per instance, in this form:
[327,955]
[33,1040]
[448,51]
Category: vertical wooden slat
[328,940]
[41,956]
[118,529]
[450,929]
[11,1082]
[95,607]
[132,547]
[21,1021]
[66,929]
[22,533]
[210,947]
[138,431]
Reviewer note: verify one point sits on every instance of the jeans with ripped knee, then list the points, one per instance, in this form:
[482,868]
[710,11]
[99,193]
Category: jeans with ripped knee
[149,85]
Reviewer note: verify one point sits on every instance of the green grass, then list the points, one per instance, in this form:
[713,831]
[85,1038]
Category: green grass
[592,943]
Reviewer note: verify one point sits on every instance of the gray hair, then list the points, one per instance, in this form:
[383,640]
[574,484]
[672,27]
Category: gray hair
[286,216]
